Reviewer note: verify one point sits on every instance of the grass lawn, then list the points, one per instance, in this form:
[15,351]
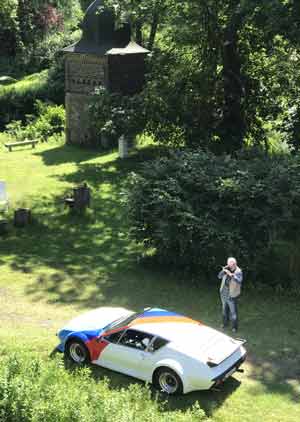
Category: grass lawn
[65,264]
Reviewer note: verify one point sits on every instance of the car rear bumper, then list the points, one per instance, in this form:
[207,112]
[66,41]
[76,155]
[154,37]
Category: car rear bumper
[229,371]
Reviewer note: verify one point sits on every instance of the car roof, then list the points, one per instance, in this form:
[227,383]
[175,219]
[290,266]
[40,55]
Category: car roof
[166,324]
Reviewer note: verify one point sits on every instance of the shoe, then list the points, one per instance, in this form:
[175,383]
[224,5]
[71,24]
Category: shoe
[234,330]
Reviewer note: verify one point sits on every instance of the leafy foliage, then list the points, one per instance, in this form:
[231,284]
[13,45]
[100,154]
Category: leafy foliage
[50,120]
[221,71]
[34,390]
[195,209]
[18,99]
[145,16]
[114,114]
[31,29]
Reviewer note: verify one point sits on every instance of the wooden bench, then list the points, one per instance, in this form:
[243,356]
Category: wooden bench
[16,144]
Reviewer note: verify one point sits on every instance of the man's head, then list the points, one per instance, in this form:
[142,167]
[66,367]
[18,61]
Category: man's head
[231,263]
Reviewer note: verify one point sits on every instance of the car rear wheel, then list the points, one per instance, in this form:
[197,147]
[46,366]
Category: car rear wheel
[168,381]
[77,352]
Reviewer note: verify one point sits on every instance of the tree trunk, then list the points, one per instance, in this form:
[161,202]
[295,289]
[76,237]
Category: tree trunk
[233,126]
[154,26]
[3,226]
[138,33]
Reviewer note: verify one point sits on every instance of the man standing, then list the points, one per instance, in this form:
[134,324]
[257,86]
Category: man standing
[230,289]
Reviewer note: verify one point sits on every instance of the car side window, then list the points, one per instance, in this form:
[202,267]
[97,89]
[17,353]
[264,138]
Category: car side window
[136,339]
[114,337]
[157,344]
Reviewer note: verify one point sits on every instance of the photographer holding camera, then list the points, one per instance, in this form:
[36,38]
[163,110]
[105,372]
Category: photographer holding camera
[230,289]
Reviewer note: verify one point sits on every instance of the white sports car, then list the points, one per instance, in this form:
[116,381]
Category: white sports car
[174,352]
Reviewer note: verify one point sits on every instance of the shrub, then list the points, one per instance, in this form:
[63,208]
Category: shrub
[18,99]
[114,114]
[196,209]
[50,121]
[38,391]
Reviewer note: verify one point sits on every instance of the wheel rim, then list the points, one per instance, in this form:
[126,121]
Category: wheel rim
[77,352]
[168,382]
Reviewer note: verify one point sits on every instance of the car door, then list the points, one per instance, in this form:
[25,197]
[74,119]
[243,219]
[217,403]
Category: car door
[129,355]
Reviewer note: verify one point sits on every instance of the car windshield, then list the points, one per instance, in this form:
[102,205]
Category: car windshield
[122,322]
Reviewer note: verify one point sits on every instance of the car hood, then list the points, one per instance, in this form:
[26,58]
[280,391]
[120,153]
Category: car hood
[208,344]
[96,319]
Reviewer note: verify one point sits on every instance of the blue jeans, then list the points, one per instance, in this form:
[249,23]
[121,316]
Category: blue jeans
[229,311]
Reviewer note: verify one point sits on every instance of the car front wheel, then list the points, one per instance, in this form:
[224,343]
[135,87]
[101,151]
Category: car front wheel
[77,352]
[168,381]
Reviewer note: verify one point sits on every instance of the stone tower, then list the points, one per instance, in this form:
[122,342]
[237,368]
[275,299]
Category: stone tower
[104,56]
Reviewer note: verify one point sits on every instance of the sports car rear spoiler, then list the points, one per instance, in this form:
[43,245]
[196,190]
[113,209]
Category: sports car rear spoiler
[212,363]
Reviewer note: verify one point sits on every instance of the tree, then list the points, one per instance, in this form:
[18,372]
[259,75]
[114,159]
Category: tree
[8,28]
[145,17]
[245,52]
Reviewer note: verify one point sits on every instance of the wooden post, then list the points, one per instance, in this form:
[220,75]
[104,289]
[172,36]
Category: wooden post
[22,217]
[82,197]
[3,226]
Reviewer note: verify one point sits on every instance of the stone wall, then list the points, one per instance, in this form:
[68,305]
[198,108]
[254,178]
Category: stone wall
[84,72]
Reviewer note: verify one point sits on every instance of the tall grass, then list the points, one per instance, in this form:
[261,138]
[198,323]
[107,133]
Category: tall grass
[33,390]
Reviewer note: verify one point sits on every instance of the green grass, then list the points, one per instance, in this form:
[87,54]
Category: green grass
[64,264]
[31,82]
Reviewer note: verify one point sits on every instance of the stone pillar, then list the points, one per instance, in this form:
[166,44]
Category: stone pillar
[123,147]
[84,72]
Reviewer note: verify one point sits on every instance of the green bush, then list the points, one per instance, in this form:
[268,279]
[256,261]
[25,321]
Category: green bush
[114,114]
[50,120]
[195,209]
[32,390]
[18,99]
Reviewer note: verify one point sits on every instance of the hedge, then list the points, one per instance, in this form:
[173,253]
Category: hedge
[195,209]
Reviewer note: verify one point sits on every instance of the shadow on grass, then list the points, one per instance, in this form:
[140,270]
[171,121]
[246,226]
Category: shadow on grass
[91,258]
[68,154]
[281,375]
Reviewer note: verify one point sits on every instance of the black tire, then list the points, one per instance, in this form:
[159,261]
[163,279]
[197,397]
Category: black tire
[166,380]
[77,352]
